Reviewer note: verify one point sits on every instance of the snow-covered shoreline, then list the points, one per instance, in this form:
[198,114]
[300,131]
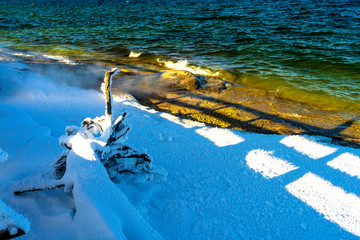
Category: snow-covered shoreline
[222,184]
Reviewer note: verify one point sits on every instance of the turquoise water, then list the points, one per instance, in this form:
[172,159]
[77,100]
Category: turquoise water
[308,50]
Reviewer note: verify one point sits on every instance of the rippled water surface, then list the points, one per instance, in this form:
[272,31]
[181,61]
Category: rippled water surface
[306,50]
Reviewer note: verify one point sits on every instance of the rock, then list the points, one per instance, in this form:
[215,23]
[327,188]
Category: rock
[179,80]
[215,85]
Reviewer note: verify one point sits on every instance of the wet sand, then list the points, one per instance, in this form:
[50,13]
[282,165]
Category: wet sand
[223,104]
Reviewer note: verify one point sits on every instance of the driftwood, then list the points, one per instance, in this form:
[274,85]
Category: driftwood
[116,157]
[5,234]
[12,223]
[38,189]
[106,88]
[95,155]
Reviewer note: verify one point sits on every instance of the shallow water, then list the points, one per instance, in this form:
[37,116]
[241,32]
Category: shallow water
[308,51]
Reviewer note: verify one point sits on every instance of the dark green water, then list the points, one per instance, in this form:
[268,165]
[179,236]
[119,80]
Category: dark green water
[308,50]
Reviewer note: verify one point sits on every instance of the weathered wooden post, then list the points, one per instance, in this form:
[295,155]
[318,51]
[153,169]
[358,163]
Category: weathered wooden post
[106,89]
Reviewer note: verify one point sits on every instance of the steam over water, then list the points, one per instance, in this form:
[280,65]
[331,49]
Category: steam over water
[308,50]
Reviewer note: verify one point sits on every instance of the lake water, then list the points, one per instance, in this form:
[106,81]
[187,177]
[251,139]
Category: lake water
[307,51]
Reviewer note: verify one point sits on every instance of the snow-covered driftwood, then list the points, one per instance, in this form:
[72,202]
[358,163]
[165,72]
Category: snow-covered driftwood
[109,136]
[12,224]
[108,146]
[96,154]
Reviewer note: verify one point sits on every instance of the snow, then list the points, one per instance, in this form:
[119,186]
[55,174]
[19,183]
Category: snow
[268,165]
[11,221]
[333,202]
[221,183]
[220,137]
[308,147]
[106,211]
[347,163]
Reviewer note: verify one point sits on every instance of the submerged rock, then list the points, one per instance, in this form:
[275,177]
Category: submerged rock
[179,80]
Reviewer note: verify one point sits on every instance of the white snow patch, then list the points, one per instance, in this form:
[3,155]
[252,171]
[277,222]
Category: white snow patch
[308,147]
[269,166]
[83,150]
[333,202]
[219,136]
[3,156]
[11,221]
[347,163]
[185,124]
[136,105]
